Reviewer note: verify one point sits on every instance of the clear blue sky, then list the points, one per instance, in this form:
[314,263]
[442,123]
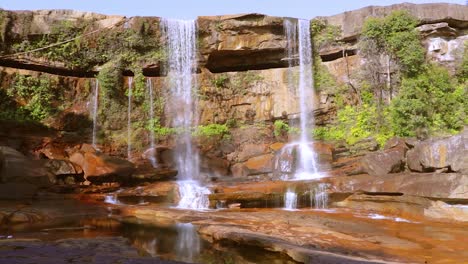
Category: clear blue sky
[190,9]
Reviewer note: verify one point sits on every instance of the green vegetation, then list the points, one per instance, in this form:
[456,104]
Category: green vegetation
[323,35]
[428,99]
[35,96]
[160,132]
[220,81]
[281,128]
[211,131]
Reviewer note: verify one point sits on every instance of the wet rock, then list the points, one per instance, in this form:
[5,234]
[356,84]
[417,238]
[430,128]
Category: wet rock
[18,191]
[437,154]
[75,250]
[17,168]
[154,174]
[100,168]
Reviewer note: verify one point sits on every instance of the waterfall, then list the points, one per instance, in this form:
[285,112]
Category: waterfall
[290,200]
[95,110]
[290,30]
[319,196]
[129,118]
[305,162]
[180,37]
[193,195]
[149,86]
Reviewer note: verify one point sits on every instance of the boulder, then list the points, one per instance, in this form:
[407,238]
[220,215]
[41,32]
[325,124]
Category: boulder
[389,160]
[438,154]
[259,165]
[251,150]
[63,169]
[17,168]
[100,168]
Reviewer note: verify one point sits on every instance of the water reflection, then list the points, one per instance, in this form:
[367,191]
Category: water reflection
[188,242]
[180,242]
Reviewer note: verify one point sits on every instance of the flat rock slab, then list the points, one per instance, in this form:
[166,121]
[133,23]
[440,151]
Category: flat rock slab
[82,250]
[347,236]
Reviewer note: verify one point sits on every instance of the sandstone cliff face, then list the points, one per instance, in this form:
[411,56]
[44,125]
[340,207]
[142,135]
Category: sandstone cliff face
[443,27]
[242,76]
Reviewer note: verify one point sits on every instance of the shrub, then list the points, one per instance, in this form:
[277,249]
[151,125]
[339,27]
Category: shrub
[36,95]
[429,101]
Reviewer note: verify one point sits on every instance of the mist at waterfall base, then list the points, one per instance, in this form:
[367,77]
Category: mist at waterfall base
[180,69]
[299,42]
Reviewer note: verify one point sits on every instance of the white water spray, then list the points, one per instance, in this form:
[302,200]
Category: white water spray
[290,200]
[129,119]
[149,86]
[305,162]
[95,111]
[180,71]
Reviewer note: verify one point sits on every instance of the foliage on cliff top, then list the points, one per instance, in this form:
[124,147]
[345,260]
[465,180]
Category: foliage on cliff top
[396,35]
[136,44]
[428,99]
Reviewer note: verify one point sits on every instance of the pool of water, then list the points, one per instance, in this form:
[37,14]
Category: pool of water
[179,242]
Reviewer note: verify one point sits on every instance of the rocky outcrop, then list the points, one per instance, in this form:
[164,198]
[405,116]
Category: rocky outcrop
[389,160]
[242,42]
[100,168]
[17,168]
[439,154]
[351,22]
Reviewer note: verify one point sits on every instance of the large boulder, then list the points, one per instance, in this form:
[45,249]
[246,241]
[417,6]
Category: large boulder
[65,170]
[259,165]
[389,160]
[439,154]
[17,168]
[100,168]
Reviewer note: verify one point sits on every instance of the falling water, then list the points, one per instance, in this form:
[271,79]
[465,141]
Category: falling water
[290,200]
[149,86]
[180,71]
[290,30]
[129,118]
[95,110]
[307,160]
[306,165]
[319,196]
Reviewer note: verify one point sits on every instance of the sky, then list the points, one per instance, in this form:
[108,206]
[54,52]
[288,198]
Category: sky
[190,9]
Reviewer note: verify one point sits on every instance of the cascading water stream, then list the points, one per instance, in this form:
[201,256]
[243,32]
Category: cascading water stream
[149,86]
[180,70]
[95,110]
[129,118]
[306,162]
[290,200]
